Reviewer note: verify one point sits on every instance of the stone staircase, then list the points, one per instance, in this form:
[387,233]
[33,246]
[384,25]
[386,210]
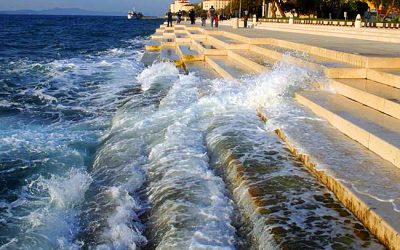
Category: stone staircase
[364,104]
[386,35]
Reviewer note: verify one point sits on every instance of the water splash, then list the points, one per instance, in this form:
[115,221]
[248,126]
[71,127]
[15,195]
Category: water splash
[52,116]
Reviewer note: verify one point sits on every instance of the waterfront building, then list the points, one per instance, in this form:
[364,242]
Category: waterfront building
[218,4]
[181,5]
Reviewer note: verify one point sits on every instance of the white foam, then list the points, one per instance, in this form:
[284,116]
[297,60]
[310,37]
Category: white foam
[55,216]
[122,232]
[48,206]
[68,191]
[157,72]
[178,158]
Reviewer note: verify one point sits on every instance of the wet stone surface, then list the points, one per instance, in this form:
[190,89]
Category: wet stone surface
[294,209]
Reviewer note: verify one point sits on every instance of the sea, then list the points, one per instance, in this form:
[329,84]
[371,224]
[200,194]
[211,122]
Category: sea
[98,151]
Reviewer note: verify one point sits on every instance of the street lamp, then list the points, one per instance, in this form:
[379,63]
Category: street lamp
[240,8]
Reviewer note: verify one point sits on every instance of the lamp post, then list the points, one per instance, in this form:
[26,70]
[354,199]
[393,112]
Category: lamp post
[263,9]
[240,8]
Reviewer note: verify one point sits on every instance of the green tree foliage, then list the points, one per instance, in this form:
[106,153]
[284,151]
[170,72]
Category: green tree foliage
[252,6]
[320,8]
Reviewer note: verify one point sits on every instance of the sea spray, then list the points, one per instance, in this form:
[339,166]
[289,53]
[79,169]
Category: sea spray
[56,102]
[223,113]
[284,204]
[110,217]
[189,206]
[54,205]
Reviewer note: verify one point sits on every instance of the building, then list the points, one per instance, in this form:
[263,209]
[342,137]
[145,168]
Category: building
[181,5]
[218,4]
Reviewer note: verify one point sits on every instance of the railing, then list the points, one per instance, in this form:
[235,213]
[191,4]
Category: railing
[331,22]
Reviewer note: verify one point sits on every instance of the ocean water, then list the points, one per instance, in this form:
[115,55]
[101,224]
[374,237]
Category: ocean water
[61,81]
[99,152]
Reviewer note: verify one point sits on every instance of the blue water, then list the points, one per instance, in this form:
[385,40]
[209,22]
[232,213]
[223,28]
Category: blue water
[61,81]
[99,152]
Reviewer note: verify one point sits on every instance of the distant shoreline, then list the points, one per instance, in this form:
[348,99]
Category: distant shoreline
[66,12]
[87,15]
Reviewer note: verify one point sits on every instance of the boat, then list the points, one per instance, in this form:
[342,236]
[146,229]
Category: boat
[135,14]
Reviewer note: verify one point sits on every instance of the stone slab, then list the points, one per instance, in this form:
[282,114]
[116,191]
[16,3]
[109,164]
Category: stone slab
[201,69]
[228,68]
[377,131]
[359,178]
[254,66]
[187,53]
[352,33]
[379,96]
[387,76]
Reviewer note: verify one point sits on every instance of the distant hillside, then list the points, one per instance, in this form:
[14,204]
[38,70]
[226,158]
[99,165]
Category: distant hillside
[61,12]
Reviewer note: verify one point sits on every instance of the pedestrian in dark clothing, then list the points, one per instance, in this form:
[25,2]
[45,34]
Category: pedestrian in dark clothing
[192,16]
[211,14]
[169,19]
[246,18]
[179,17]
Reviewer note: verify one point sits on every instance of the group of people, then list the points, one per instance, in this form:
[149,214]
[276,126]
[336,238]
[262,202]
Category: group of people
[212,14]
[214,17]
[192,17]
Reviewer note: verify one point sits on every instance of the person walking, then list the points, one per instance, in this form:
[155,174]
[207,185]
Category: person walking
[246,18]
[203,18]
[192,16]
[216,20]
[211,13]
[169,19]
[179,17]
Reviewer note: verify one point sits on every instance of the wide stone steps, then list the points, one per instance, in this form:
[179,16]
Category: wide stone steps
[226,42]
[149,58]
[153,45]
[201,69]
[255,61]
[332,68]
[345,32]
[187,53]
[375,130]
[206,48]
[228,68]
[168,41]
[157,35]
[381,97]
[195,34]
[387,76]
[168,54]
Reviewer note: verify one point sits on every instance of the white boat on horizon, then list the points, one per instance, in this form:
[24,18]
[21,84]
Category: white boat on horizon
[135,14]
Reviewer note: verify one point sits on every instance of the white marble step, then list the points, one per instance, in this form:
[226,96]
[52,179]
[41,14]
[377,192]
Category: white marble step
[255,61]
[387,76]
[376,95]
[201,69]
[375,130]
[227,67]
[188,53]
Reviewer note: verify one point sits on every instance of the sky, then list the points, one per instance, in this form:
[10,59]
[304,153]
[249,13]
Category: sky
[148,7]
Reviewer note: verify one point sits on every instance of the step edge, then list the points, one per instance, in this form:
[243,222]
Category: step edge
[365,137]
[381,105]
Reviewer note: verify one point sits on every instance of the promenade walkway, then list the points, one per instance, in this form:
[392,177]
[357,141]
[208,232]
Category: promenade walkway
[348,45]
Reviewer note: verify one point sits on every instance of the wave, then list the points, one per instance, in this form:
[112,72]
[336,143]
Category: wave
[64,108]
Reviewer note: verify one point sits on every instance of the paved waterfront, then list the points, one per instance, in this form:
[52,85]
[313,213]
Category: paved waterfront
[348,45]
